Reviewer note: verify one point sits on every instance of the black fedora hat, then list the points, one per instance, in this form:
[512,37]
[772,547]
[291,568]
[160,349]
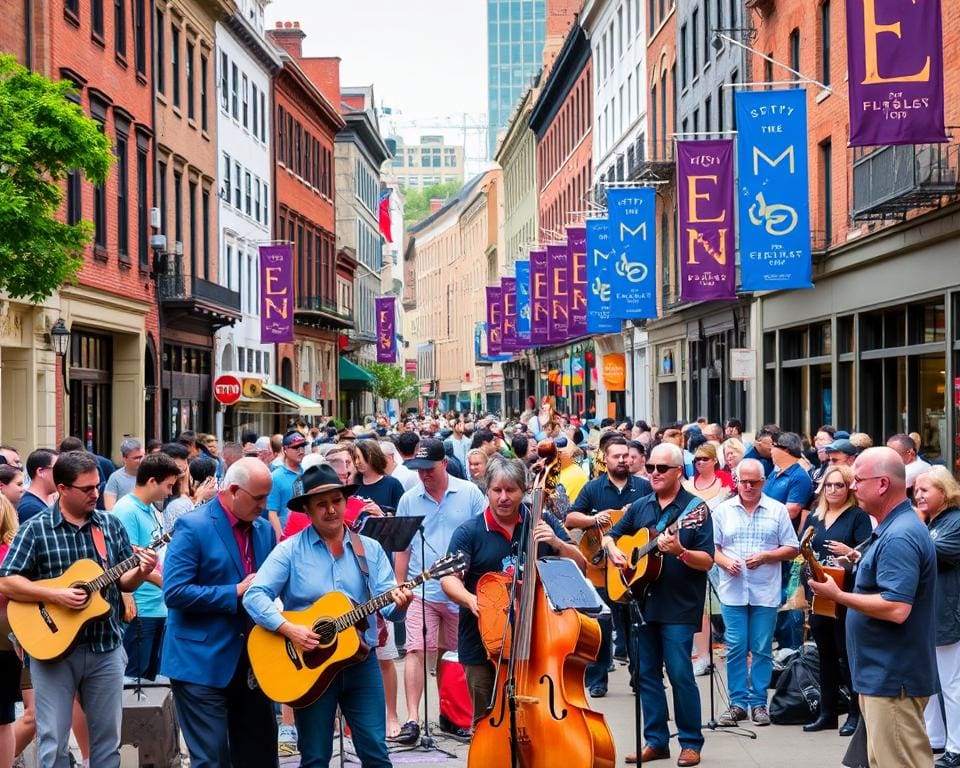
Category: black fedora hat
[319,479]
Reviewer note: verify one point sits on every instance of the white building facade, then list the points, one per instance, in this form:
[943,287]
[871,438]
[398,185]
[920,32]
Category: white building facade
[245,63]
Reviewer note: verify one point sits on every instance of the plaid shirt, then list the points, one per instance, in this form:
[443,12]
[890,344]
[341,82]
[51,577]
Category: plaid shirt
[46,545]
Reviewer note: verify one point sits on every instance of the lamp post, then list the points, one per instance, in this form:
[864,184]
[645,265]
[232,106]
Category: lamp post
[60,340]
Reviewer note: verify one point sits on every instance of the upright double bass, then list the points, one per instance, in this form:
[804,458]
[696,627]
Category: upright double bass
[540,714]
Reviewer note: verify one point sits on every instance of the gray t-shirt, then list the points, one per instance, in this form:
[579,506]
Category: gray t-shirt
[120,483]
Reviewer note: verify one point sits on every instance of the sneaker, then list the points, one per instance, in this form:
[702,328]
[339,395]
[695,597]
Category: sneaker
[760,716]
[287,734]
[948,760]
[409,734]
[732,716]
[700,667]
[598,692]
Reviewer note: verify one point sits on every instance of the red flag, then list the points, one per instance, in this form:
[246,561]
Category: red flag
[385,215]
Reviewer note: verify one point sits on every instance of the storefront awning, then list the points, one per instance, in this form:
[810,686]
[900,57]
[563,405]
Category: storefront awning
[350,371]
[289,401]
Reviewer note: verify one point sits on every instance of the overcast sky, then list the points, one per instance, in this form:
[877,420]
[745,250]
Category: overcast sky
[425,58]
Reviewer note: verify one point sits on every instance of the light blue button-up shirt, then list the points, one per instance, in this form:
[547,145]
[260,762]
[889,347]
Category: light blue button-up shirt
[461,501]
[301,569]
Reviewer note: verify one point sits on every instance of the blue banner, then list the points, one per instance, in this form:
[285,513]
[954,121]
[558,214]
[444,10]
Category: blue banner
[480,354]
[633,275]
[600,260]
[523,304]
[773,190]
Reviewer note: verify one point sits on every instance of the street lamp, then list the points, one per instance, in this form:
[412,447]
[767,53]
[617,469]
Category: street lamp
[60,339]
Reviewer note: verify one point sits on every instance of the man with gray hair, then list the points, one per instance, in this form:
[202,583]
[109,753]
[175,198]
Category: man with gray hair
[891,619]
[122,482]
[753,534]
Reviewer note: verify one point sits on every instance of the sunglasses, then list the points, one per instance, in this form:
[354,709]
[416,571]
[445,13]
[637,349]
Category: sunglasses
[749,483]
[701,459]
[660,468]
[834,486]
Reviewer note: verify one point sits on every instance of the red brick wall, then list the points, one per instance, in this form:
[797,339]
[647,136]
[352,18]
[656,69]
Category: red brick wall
[565,158]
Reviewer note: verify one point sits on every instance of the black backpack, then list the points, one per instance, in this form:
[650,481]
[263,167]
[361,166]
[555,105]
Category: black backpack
[796,698]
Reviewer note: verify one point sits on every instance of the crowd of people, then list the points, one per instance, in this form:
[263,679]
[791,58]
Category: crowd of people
[270,519]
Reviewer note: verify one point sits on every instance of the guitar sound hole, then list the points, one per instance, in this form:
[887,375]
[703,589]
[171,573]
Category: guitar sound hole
[86,588]
[327,631]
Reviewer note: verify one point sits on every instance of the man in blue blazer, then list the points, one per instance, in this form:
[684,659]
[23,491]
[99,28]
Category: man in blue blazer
[215,552]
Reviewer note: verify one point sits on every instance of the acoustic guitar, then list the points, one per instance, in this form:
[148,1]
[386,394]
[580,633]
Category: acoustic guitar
[820,605]
[590,546]
[292,676]
[644,560]
[48,631]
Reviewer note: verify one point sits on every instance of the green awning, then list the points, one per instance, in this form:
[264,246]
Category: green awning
[300,404]
[350,371]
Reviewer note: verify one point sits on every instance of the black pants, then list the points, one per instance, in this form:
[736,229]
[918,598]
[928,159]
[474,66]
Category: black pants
[831,639]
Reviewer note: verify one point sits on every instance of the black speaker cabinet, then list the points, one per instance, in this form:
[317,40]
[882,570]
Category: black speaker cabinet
[150,725]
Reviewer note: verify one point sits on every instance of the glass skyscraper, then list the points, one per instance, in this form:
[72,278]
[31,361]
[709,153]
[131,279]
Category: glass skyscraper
[516,30]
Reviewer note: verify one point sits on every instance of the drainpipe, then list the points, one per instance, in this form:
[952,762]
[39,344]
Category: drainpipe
[28,40]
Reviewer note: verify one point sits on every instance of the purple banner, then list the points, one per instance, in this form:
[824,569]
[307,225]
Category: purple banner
[386,329]
[494,321]
[558,282]
[705,189]
[539,300]
[895,61]
[577,246]
[508,293]
[276,294]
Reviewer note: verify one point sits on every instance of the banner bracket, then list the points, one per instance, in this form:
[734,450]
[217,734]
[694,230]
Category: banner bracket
[791,70]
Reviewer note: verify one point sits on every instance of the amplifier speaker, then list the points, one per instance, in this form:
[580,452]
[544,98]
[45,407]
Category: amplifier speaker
[150,725]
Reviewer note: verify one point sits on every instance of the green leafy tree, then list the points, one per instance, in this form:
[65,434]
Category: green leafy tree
[43,136]
[392,383]
[416,202]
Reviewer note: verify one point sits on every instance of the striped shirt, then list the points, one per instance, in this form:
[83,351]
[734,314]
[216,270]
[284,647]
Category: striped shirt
[46,545]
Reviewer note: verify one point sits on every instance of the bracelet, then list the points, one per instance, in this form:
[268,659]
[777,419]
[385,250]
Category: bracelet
[682,557]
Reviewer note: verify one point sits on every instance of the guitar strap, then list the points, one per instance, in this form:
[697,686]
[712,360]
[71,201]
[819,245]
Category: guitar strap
[665,522]
[361,556]
[100,544]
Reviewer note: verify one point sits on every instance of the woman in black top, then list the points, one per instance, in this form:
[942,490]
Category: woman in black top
[839,525]
[373,482]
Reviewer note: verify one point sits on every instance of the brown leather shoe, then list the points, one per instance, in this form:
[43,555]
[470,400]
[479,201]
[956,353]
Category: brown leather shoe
[648,754]
[688,757]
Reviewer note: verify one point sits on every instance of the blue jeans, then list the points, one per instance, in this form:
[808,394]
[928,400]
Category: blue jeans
[749,628]
[669,645]
[142,640]
[597,671]
[359,692]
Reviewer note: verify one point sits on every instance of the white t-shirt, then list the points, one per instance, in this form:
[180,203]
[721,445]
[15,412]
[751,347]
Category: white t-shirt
[407,477]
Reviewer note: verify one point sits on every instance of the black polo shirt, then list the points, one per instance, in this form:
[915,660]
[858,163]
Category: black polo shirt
[488,550]
[677,596]
[601,494]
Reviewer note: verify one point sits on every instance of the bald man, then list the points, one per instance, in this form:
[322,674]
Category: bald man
[891,621]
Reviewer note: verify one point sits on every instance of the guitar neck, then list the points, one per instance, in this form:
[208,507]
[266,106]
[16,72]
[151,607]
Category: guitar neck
[113,574]
[651,545]
[815,568]
[374,604]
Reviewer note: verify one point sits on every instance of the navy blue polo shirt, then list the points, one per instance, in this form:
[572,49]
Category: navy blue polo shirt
[677,596]
[488,550]
[901,565]
[30,505]
[601,494]
[792,486]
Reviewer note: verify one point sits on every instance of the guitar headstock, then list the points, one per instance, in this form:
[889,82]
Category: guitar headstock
[695,518]
[805,541]
[160,540]
[448,565]
[546,469]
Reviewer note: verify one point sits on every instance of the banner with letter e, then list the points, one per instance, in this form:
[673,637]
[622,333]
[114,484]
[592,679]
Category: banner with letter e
[705,237]
[601,256]
[386,329]
[276,294]
[631,214]
[895,66]
[494,321]
[539,299]
[508,320]
[774,204]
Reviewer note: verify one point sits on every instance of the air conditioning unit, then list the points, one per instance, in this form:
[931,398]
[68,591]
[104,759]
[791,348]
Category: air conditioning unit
[155,218]
[178,248]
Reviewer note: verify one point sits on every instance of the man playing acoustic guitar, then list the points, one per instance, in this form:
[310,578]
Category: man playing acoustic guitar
[323,558]
[672,608]
[44,548]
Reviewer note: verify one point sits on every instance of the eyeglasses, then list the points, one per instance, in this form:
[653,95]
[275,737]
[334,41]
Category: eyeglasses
[750,483]
[859,480]
[660,468]
[85,489]
[258,499]
[834,486]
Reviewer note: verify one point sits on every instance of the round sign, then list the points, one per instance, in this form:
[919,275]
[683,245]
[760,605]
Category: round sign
[226,389]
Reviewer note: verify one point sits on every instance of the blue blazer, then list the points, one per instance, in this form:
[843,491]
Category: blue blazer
[206,626]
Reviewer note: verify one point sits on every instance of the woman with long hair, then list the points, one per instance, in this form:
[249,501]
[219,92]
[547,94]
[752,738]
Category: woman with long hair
[839,526]
[381,491]
[937,496]
[11,489]
[733,452]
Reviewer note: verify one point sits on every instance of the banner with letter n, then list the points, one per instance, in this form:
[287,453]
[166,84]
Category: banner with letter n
[772,182]
[276,294]
[508,323]
[705,236]
[539,299]
[895,65]
[494,321]
[558,282]
[522,272]
[577,246]
[631,214]
[386,307]
[601,257]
